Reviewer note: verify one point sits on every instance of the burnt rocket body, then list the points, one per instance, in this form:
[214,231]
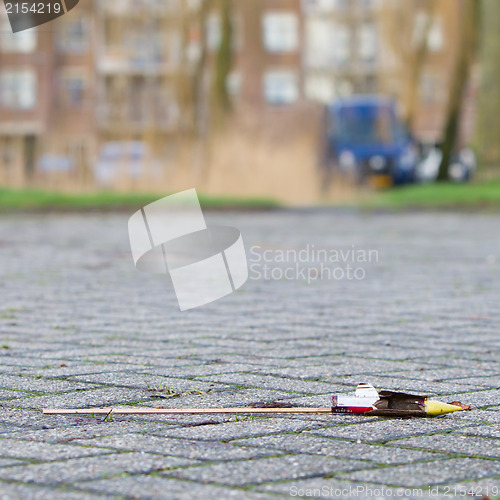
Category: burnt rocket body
[368,401]
[365,401]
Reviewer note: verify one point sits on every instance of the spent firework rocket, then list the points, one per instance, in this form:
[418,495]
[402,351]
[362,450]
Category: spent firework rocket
[368,401]
[365,401]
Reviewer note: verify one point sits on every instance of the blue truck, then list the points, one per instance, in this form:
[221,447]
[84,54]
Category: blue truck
[366,138]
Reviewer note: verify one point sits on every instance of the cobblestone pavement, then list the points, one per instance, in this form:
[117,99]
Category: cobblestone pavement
[81,327]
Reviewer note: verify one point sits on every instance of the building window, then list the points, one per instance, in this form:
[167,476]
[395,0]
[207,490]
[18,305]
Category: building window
[145,48]
[319,6]
[430,27]
[18,89]
[367,42]
[214,32]
[166,110]
[344,88]
[23,42]
[233,84]
[319,43]
[435,40]
[73,88]
[8,151]
[342,45]
[367,4]
[77,150]
[73,37]
[320,88]
[281,32]
[430,86]
[193,5]
[281,87]
[164,6]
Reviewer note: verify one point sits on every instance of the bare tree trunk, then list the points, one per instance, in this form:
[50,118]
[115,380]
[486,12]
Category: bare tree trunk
[200,96]
[224,58]
[467,51]
[419,58]
[199,77]
[409,45]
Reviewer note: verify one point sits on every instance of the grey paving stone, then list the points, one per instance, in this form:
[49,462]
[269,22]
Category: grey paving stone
[455,374]
[486,382]
[433,473]
[464,359]
[230,397]
[494,408]
[6,394]
[178,447]
[242,473]
[146,381]
[393,382]
[383,430]
[152,488]
[484,416]
[82,399]
[85,352]
[240,429]
[489,431]
[26,383]
[5,428]
[180,421]
[333,366]
[454,443]
[43,451]
[72,369]
[269,382]
[14,364]
[197,370]
[14,418]
[7,462]
[329,420]
[478,399]
[132,361]
[424,319]
[300,443]
[85,428]
[12,491]
[83,469]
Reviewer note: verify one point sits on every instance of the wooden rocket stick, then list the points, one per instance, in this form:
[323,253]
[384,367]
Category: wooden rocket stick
[178,411]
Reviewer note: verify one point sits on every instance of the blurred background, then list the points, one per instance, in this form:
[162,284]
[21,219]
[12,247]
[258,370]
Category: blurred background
[299,101]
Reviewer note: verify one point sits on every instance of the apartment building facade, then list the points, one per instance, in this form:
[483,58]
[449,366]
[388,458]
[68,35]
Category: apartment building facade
[342,47]
[46,97]
[122,72]
[26,63]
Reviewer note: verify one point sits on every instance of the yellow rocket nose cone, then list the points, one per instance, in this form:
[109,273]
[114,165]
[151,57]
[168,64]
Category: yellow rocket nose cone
[435,408]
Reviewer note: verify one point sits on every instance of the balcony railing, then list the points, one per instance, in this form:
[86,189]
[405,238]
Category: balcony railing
[138,118]
[127,8]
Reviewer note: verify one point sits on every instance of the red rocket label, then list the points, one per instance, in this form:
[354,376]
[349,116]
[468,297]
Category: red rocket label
[363,401]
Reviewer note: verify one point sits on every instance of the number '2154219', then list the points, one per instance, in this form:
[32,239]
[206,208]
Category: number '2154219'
[34,8]
[26,14]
